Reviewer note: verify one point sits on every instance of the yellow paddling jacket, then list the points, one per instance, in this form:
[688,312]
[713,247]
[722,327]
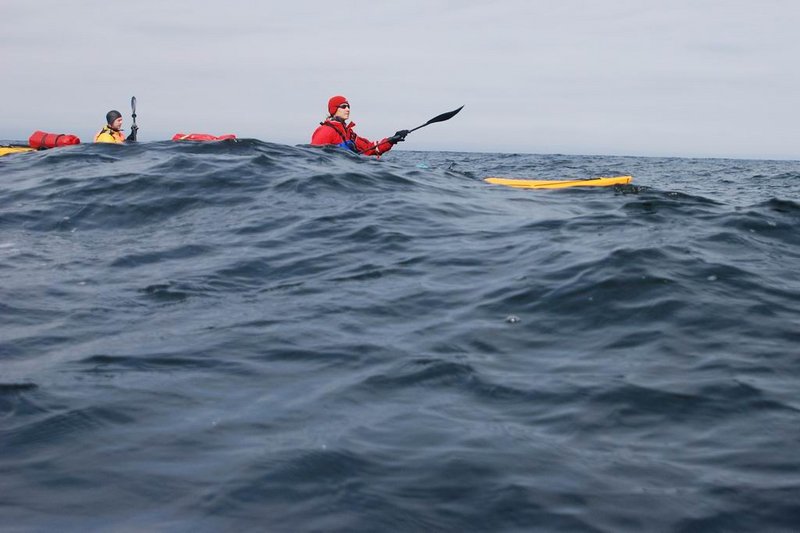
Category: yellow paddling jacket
[107,135]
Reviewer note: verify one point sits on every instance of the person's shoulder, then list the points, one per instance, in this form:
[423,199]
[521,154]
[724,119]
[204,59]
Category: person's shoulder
[322,134]
[107,136]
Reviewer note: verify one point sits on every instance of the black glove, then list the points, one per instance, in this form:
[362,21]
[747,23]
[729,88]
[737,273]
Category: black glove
[399,136]
[132,136]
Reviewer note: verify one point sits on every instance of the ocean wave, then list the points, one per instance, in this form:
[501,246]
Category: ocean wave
[246,331]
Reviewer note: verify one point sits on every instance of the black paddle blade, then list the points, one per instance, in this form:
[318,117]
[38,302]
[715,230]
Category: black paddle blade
[133,104]
[440,118]
[445,116]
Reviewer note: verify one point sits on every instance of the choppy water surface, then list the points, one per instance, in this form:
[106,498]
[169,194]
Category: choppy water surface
[248,336]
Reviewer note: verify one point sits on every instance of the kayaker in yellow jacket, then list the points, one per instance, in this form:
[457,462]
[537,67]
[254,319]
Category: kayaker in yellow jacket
[112,131]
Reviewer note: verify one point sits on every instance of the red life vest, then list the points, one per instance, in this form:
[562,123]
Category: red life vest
[41,139]
[339,133]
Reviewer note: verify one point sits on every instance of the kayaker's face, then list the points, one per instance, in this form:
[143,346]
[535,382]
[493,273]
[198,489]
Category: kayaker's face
[117,124]
[343,111]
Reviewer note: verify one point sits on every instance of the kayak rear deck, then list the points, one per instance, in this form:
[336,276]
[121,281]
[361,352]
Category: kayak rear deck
[559,184]
[5,150]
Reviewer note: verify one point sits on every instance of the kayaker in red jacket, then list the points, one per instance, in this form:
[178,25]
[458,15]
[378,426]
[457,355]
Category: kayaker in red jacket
[336,130]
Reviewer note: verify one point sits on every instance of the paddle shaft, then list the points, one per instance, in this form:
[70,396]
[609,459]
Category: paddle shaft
[438,118]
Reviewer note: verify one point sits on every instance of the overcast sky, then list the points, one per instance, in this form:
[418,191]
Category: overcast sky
[707,78]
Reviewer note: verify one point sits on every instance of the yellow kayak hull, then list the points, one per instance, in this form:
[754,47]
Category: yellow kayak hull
[5,150]
[560,184]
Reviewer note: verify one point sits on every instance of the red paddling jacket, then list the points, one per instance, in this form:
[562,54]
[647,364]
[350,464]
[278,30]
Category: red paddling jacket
[336,132]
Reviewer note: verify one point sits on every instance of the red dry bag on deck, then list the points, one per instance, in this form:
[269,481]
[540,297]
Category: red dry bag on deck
[201,137]
[42,139]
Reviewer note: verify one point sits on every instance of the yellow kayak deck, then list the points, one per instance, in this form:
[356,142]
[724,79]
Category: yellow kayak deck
[5,150]
[559,184]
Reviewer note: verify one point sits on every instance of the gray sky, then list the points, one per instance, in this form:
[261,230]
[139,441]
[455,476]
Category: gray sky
[707,78]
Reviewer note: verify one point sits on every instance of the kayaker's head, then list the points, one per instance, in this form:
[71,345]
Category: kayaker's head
[339,108]
[114,119]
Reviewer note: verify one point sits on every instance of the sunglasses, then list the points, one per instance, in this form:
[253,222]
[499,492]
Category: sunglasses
[344,106]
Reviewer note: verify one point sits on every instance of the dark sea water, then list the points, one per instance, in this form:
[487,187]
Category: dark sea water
[245,336]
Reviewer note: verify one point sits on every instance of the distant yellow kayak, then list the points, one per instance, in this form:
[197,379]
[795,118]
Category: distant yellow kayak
[560,184]
[5,150]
